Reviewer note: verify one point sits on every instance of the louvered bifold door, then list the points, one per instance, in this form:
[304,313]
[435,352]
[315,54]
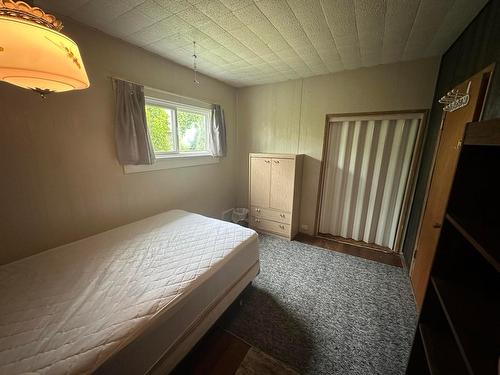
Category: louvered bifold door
[365,178]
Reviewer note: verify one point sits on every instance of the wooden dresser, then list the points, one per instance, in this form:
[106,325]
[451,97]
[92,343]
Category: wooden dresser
[274,193]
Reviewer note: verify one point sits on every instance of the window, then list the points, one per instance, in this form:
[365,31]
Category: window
[177,129]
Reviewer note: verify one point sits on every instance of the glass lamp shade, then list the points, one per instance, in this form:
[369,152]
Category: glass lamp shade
[36,57]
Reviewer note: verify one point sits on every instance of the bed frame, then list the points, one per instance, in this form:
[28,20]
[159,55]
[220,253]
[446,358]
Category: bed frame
[120,362]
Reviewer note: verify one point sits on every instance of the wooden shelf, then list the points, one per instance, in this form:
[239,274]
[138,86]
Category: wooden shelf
[440,351]
[459,330]
[469,314]
[484,133]
[487,254]
[417,363]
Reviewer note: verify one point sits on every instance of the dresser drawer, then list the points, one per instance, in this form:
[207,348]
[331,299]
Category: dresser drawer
[266,213]
[270,226]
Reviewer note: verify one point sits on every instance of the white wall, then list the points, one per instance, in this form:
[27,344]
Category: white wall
[60,180]
[289,117]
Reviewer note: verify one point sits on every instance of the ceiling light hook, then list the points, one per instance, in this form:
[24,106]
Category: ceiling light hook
[195,65]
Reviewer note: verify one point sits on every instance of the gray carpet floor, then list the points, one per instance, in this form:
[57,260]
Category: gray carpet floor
[323,312]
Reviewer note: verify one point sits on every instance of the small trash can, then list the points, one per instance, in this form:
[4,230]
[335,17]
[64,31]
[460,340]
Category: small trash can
[240,216]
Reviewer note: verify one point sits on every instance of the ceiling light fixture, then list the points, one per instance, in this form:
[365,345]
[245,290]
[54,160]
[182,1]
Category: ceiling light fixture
[195,65]
[34,54]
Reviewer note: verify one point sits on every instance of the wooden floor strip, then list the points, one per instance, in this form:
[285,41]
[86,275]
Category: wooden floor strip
[392,259]
[217,353]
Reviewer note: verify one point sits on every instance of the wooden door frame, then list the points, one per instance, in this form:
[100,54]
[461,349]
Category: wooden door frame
[412,175]
[490,69]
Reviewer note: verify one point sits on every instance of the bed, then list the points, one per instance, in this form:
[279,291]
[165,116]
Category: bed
[131,300]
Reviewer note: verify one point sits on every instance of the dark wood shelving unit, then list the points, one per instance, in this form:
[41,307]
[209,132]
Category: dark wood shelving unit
[459,325]
[438,349]
[489,255]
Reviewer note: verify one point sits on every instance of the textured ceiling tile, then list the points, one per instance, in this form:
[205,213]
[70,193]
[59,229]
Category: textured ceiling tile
[453,24]
[325,42]
[254,60]
[236,4]
[312,19]
[148,35]
[341,16]
[341,19]
[347,41]
[428,18]
[239,65]
[194,17]
[97,12]
[213,8]
[215,59]
[370,15]
[212,29]
[397,28]
[152,10]
[370,22]
[226,55]
[176,25]
[248,38]
[169,43]
[228,21]
[142,39]
[287,25]
[108,9]
[196,35]
[288,54]
[174,6]
[129,23]
[162,47]
[250,14]
[278,44]
[247,42]
[248,55]
[225,39]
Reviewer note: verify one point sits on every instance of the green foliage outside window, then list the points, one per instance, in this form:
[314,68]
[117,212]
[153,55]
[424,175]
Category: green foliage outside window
[160,128]
[191,129]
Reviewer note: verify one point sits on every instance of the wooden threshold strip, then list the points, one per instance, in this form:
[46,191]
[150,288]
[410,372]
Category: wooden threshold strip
[389,258]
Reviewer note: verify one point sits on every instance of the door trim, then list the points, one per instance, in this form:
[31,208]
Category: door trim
[413,172]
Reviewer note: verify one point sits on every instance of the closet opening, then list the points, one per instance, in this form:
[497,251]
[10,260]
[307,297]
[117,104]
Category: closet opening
[367,179]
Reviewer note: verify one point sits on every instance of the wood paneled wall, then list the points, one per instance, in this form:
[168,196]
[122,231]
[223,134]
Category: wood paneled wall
[289,117]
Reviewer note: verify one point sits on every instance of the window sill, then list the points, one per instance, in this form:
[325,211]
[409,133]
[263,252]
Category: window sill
[172,162]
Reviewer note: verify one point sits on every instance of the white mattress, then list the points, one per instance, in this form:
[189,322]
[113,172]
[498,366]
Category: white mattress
[79,306]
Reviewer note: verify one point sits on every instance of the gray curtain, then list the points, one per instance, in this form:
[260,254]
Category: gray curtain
[133,144]
[217,134]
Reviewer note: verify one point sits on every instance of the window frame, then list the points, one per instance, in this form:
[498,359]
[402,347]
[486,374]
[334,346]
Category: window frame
[174,107]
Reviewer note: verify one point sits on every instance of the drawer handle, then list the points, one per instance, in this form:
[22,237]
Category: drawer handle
[267,161]
[282,226]
[257,209]
[257,220]
[276,161]
[282,215]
